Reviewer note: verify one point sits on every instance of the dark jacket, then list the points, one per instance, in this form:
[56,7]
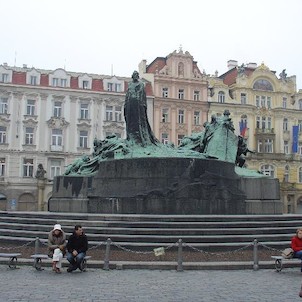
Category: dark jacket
[78,243]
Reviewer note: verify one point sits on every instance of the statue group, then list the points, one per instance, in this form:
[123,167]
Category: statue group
[217,141]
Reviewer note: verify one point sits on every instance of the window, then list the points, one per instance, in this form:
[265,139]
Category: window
[300,175]
[57,110]
[29,136]
[181,116]
[243,98]
[117,87]
[181,69]
[300,125]
[268,170]
[300,148]
[165,92]
[85,85]
[263,101]
[285,124]
[263,122]
[286,174]
[300,104]
[55,82]
[2,166]
[55,168]
[84,111]
[260,147]
[165,138]
[221,97]
[83,139]
[268,145]
[4,77]
[179,138]
[196,95]
[181,94]
[284,103]
[114,87]
[57,137]
[118,113]
[63,82]
[286,148]
[165,115]
[2,135]
[196,118]
[110,86]
[30,107]
[33,80]
[263,85]
[3,105]
[109,113]
[28,167]
[269,102]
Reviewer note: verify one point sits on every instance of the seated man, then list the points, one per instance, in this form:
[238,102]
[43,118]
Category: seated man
[77,246]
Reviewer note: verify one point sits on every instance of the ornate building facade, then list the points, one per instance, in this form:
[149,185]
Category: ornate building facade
[180,95]
[50,118]
[267,110]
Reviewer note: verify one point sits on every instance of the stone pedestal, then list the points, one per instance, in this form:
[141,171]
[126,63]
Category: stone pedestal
[166,186]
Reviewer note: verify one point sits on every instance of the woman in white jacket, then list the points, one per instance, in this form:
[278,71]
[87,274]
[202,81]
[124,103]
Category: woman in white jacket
[56,247]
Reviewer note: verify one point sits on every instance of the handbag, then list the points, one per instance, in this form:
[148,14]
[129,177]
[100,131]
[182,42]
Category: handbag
[288,253]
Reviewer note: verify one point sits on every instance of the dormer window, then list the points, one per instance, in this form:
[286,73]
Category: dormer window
[4,77]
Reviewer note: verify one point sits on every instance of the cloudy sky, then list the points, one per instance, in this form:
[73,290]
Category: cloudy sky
[105,37]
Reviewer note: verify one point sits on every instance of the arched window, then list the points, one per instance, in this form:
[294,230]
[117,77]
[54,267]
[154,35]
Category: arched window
[263,85]
[268,170]
[221,97]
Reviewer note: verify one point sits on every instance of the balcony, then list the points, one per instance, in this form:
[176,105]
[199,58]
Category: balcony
[264,130]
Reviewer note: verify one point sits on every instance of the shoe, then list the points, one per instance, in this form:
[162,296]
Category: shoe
[71,268]
[58,271]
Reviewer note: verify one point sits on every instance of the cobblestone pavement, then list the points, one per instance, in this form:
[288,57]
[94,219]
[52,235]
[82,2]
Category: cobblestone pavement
[27,284]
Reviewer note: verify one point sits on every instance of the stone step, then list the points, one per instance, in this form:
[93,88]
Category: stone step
[146,218]
[289,231]
[204,231]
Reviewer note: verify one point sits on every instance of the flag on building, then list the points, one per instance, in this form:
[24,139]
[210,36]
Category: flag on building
[295,139]
[242,127]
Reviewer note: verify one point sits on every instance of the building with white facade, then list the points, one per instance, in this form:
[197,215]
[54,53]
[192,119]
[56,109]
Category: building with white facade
[51,117]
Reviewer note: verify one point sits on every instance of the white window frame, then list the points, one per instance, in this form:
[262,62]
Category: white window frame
[83,139]
[196,95]
[57,109]
[28,167]
[268,170]
[109,113]
[165,138]
[2,166]
[165,115]
[3,105]
[196,118]
[30,107]
[181,94]
[181,116]
[57,137]
[221,97]
[29,135]
[55,167]
[84,111]
[3,134]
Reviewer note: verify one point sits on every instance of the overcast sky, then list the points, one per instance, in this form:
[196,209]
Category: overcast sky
[98,36]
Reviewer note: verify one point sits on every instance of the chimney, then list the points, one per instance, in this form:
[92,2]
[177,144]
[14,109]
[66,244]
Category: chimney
[232,64]
[5,64]
[25,66]
[142,67]
[252,65]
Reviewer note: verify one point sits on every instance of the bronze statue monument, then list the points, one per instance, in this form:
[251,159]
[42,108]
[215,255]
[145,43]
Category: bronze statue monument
[204,175]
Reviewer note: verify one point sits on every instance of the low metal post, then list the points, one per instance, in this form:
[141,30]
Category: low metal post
[37,245]
[255,254]
[107,252]
[179,256]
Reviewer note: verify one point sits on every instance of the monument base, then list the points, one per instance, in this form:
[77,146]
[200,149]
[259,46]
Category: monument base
[167,186]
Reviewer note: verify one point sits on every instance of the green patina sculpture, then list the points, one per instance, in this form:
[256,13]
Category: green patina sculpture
[217,141]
